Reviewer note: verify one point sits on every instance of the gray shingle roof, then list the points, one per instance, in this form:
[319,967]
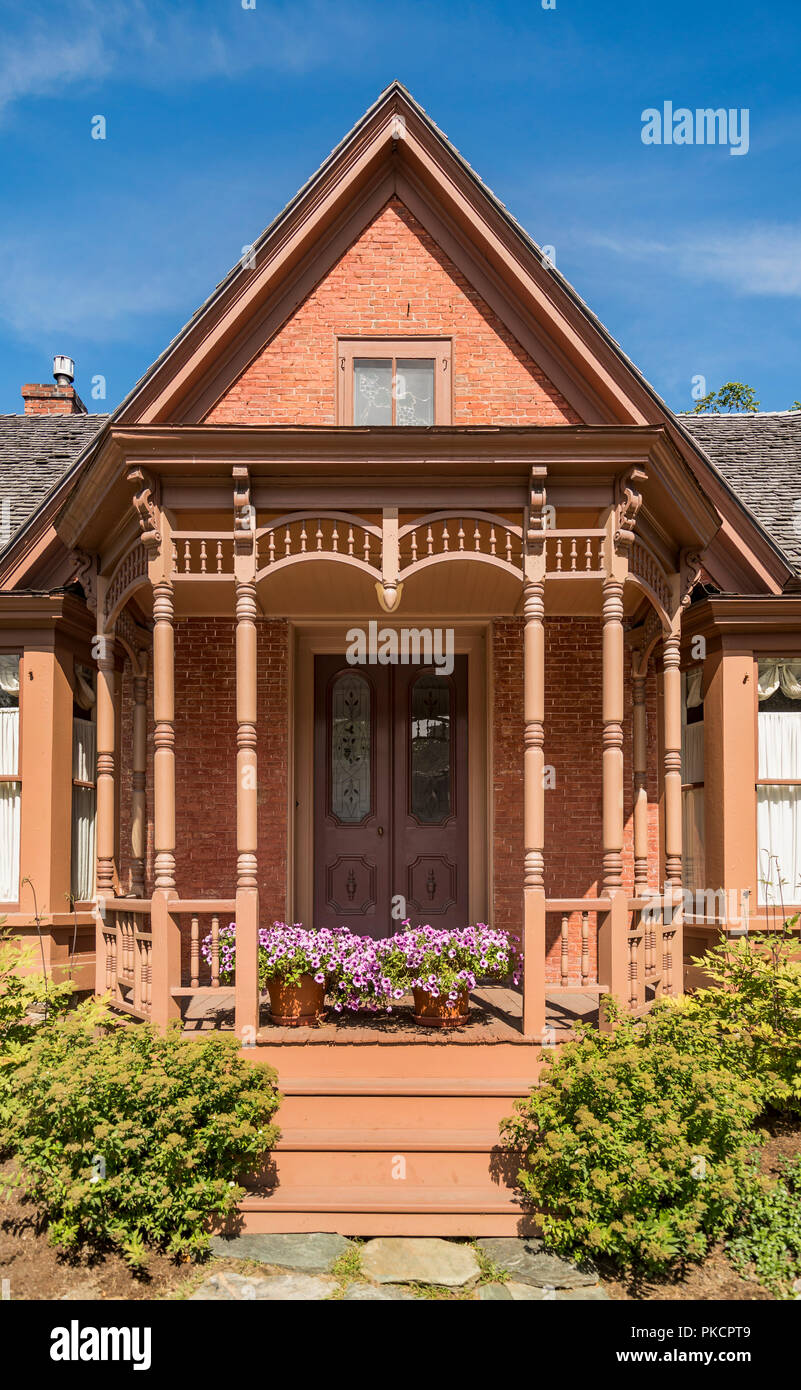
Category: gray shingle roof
[35,452]
[760,458]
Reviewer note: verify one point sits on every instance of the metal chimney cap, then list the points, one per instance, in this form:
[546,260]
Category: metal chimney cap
[63,370]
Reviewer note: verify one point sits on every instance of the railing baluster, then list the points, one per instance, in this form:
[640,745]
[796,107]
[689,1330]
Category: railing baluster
[194,965]
[444,537]
[287,543]
[429,541]
[335,539]
[460,534]
[215,952]
[477,538]
[565,962]
[219,557]
[319,534]
[203,556]
[187,556]
[558,553]
[585,948]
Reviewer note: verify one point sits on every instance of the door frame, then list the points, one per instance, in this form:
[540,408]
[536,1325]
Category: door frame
[328,638]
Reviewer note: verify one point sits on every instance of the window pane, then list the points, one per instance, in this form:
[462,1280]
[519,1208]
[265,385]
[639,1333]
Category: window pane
[779,838]
[431,749]
[372,390]
[9,841]
[414,390]
[780,743]
[83,843]
[9,741]
[350,749]
[692,864]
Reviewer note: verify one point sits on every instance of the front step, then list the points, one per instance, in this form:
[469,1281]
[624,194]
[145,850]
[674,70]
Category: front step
[397,1154]
[377,1211]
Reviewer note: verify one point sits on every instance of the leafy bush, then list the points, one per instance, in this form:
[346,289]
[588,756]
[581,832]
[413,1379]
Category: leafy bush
[128,1138]
[750,1017]
[636,1147]
[766,1243]
[25,996]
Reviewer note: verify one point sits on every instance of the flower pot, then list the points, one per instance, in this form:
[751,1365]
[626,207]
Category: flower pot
[293,1005]
[438,1013]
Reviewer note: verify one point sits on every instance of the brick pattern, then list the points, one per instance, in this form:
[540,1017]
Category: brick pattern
[205,764]
[50,399]
[394,280]
[573,804]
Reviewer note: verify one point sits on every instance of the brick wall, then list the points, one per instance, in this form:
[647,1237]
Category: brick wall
[573,804]
[205,763]
[393,280]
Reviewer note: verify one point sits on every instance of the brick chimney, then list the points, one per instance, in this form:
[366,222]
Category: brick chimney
[59,399]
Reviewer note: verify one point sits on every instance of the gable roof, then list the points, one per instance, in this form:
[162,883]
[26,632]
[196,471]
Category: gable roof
[36,451]
[759,455]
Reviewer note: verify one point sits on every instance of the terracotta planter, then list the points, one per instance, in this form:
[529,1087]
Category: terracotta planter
[438,1013]
[293,1005]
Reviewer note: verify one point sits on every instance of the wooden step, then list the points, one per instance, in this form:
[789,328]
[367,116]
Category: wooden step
[401,1112]
[401,1086]
[483,1140]
[409,1172]
[313,1059]
[380,1210]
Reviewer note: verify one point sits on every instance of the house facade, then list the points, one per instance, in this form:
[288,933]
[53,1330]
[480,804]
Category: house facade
[393,590]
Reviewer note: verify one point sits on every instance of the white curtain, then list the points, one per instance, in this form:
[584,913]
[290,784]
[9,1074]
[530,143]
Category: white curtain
[692,752]
[693,866]
[780,675]
[84,691]
[9,841]
[694,677]
[9,791]
[779,808]
[9,674]
[84,761]
[779,833]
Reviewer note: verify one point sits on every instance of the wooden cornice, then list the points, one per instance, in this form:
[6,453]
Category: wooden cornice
[733,615]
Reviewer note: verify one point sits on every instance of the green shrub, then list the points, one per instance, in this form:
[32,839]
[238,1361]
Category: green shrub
[750,1016]
[766,1242]
[637,1145]
[26,996]
[128,1138]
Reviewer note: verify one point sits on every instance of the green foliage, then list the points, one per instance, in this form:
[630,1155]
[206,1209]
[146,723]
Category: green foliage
[26,996]
[732,396]
[766,1243]
[749,1018]
[637,1146]
[129,1138]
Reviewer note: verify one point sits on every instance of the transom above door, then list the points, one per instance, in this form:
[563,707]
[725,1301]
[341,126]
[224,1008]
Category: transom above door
[390,795]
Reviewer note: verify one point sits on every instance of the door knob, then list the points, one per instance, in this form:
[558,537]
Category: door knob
[380,829]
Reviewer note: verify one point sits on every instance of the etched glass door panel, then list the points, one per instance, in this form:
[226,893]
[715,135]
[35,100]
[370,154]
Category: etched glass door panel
[351,747]
[430,749]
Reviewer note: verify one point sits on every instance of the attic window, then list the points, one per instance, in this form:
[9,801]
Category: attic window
[394,382]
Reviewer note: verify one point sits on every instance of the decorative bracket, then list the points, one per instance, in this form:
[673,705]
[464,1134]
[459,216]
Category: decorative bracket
[86,576]
[387,588]
[147,501]
[690,567]
[628,500]
[537,520]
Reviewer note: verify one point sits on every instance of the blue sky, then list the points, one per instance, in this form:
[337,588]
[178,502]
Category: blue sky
[215,114]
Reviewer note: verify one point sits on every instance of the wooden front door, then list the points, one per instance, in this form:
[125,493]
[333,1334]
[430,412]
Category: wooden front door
[390,795]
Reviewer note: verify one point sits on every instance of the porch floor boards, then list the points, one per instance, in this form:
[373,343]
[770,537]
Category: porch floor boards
[495,1017]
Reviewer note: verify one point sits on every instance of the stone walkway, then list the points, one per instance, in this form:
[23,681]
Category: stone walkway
[395,1269]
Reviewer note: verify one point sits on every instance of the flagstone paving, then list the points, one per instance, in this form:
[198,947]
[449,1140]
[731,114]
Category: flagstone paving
[396,1269]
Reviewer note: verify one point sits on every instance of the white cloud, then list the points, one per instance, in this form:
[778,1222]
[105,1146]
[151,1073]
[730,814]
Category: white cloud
[754,260]
[171,43]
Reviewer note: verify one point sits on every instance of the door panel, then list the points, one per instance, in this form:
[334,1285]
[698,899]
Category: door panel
[352,843]
[430,793]
[391,795]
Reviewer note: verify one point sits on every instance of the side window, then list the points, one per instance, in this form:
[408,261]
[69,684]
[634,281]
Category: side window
[84,796]
[779,782]
[401,382]
[10,784]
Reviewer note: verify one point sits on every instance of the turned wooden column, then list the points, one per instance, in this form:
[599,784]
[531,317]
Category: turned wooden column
[138,807]
[640,760]
[534,808]
[106,741]
[671,658]
[164,734]
[612,715]
[246,698]
[246,1020]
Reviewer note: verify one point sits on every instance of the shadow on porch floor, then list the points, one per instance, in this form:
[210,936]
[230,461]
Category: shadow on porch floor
[495,1016]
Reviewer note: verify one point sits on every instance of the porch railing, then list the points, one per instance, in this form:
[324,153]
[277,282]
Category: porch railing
[631,949]
[198,919]
[126,942]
